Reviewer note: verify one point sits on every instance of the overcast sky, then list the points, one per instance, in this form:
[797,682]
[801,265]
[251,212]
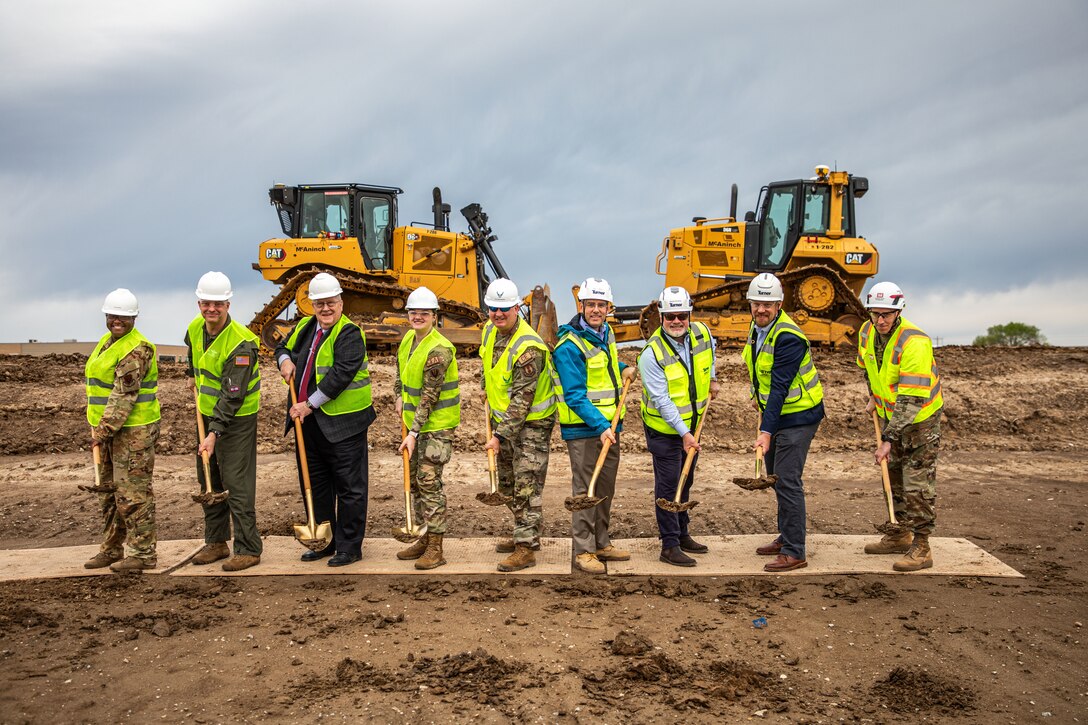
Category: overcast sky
[138,140]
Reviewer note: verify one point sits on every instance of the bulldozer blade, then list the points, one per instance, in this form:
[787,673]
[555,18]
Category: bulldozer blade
[408,536]
[756,484]
[210,498]
[493,498]
[314,538]
[583,502]
[890,528]
[97,489]
[667,505]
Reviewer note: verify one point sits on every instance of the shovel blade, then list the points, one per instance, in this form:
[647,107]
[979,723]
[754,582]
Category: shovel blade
[756,484]
[210,498]
[97,489]
[493,498]
[890,528]
[314,538]
[667,505]
[583,502]
[406,535]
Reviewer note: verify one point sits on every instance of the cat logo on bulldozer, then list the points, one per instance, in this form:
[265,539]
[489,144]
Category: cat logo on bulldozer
[275,253]
[858,257]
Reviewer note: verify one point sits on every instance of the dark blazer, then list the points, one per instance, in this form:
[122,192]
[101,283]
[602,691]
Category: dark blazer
[348,357]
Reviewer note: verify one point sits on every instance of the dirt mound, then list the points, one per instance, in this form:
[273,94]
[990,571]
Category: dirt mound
[905,690]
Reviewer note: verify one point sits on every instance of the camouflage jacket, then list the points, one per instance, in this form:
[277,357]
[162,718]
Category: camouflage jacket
[127,376]
[523,382]
[434,375]
[906,406]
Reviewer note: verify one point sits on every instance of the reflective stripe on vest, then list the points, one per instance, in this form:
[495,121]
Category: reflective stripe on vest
[99,372]
[356,396]
[805,391]
[208,365]
[907,368]
[497,375]
[676,375]
[446,413]
[602,378]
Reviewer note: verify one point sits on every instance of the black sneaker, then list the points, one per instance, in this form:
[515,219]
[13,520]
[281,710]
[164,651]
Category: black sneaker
[674,556]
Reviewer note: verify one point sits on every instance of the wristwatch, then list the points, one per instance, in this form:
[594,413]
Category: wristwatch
[219,434]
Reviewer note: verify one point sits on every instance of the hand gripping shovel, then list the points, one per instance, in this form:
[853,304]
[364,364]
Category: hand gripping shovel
[410,531]
[675,506]
[891,527]
[315,537]
[208,497]
[97,487]
[491,497]
[760,481]
[588,500]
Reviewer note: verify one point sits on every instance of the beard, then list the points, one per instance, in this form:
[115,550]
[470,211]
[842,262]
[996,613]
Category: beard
[677,336]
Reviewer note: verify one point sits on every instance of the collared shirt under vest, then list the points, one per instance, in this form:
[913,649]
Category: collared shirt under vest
[99,373]
[356,396]
[602,378]
[208,365]
[805,391]
[683,384]
[907,368]
[498,373]
[446,413]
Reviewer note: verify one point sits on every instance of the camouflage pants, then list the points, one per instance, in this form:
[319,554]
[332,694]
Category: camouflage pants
[433,451]
[912,468]
[523,466]
[128,514]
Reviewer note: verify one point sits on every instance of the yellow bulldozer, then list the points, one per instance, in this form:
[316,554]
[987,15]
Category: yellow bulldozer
[350,231]
[805,233]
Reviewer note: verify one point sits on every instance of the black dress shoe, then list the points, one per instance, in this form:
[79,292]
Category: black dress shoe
[343,559]
[316,555]
[692,546]
[674,556]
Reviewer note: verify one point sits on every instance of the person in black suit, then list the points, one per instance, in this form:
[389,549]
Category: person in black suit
[326,357]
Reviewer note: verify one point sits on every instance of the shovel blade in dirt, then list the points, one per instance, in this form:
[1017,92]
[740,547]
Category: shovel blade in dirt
[210,498]
[493,498]
[98,486]
[408,535]
[314,538]
[756,484]
[583,502]
[675,506]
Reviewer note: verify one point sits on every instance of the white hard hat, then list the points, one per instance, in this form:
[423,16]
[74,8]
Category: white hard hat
[323,286]
[121,302]
[502,293]
[422,299]
[595,288]
[886,296]
[214,286]
[674,299]
[765,287]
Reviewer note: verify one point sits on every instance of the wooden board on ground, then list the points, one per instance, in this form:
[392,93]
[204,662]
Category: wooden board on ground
[463,556]
[827,554]
[67,561]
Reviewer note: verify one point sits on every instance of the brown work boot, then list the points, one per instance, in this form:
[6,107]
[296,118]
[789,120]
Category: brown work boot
[211,553]
[131,563]
[506,546]
[432,557]
[918,556]
[414,551]
[589,563]
[101,560]
[241,561]
[611,553]
[891,544]
[522,558]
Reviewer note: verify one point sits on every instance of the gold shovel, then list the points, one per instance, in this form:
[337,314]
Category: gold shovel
[410,531]
[891,527]
[675,506]
[97,487]
[588,500]
[208,497]
[760,481]
[492,497]
[315,537]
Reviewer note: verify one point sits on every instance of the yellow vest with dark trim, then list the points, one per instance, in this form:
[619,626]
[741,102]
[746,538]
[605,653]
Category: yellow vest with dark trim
[446,413]
[602,378]
[99,372]
[908,368]
[356,396]
[676,375]
[208,365]
[805,391]
[497,375]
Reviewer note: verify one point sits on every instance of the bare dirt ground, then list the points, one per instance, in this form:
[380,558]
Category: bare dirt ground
[573,648]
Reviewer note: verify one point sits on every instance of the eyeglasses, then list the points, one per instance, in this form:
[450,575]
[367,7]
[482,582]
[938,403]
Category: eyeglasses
[322,304]
[595,305]
[418,313]
[877,316]
[674,316]
[500,309]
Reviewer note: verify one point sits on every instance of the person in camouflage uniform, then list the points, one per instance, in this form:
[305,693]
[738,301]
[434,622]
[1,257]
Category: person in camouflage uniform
[905,391]
[429,403]
[123,411]
[518,381]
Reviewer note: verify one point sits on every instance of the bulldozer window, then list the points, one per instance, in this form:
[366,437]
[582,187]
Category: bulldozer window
[324,211]
[817,208]
[374,215]
[777,227]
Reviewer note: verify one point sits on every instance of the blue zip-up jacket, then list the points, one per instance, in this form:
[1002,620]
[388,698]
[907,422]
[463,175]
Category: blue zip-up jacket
[570,365]
[789,351]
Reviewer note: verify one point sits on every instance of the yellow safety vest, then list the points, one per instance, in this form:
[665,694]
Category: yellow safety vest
[602,378]
[497,375]
[356,396]
[446,413]
[908,368]
[805,391]
[99,372]
[208,365]
[676,375]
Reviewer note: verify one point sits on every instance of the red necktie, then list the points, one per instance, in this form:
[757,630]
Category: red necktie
[303,393]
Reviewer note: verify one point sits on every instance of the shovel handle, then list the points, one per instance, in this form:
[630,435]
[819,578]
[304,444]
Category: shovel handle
[886,478]
[405,459]
[301,449]
[492,466]
[690,459]
[608,444]
[203,454]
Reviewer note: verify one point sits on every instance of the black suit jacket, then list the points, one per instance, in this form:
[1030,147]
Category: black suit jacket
[348,356]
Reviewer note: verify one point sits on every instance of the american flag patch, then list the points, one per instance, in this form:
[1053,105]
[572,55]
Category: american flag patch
[241,360]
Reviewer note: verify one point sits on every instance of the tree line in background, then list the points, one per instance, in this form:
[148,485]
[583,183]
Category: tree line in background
[1011,335]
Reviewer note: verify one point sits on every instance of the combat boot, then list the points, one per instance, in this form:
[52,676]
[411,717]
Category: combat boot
[918,556]
[131,563]
[522,558]
[891,544]
[414,551]
[212,552]
[238,562]
[505,546]
[432,557]
[101,560]
[589,563]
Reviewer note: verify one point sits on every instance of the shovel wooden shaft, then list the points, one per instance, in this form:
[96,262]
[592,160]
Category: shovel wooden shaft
[492,465]
[689,460]
[97,454]
[608,444]
[886,478]
[408,514]
[302,460]
[204,457]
